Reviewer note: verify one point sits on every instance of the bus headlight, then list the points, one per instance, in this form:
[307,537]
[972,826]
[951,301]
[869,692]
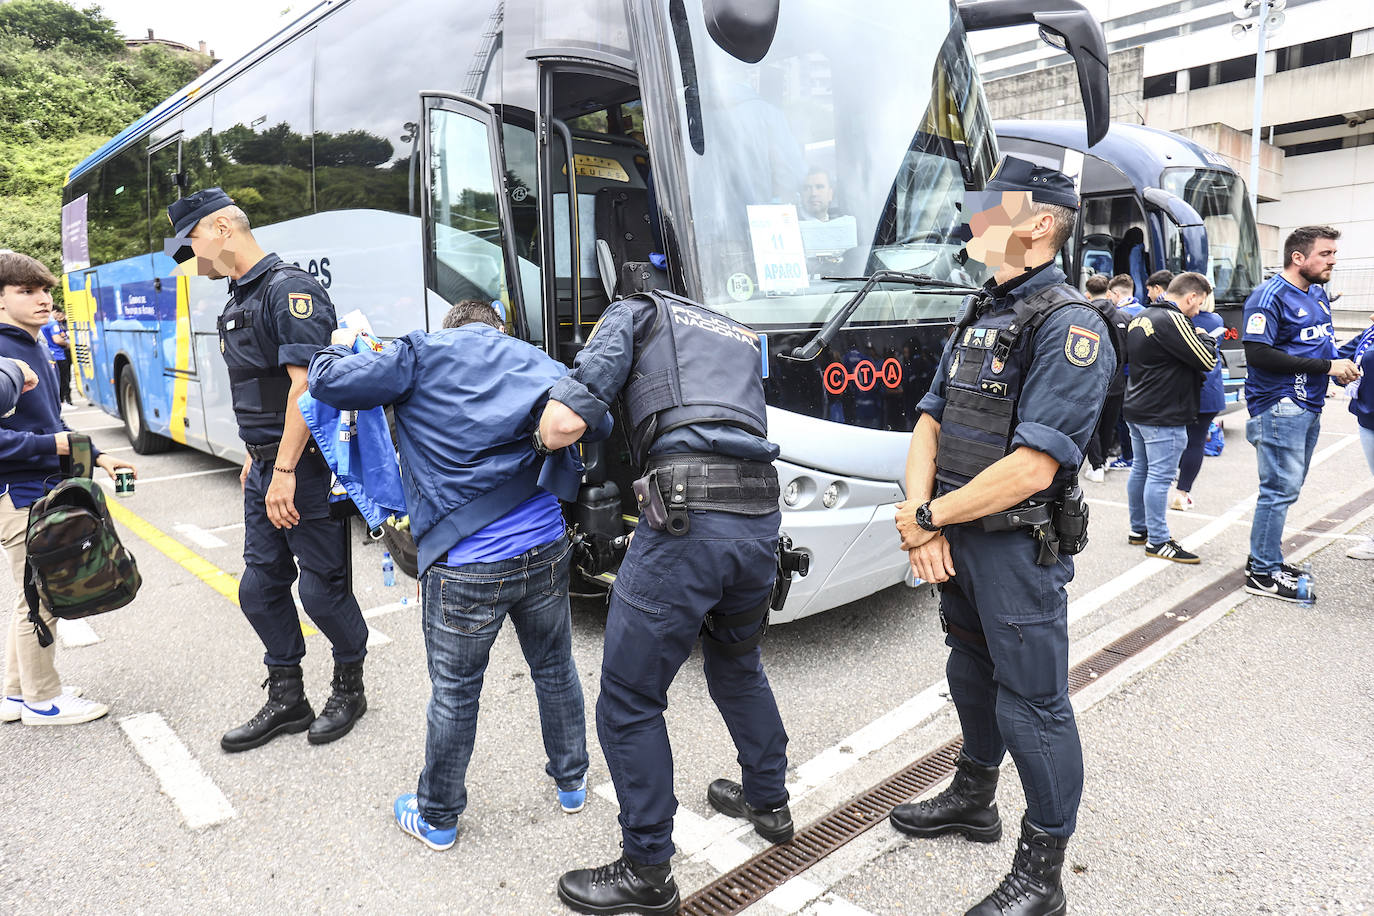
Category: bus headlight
[831,497]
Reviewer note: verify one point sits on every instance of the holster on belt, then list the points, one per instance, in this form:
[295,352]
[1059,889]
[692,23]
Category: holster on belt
[1038,518]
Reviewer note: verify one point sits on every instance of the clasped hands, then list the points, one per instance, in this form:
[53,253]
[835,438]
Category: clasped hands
[928,550]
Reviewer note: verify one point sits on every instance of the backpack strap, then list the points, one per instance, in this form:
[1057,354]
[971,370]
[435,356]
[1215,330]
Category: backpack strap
[32,596]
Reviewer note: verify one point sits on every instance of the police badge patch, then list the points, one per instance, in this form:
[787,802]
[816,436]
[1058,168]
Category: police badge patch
[1082,346]
[301,305]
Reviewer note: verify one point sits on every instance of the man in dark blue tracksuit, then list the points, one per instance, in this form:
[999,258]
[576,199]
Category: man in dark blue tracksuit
[704,551]
[276,319]
[993,513]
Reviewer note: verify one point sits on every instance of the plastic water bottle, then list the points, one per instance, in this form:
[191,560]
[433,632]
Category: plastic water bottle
[388,569]
[1306,596]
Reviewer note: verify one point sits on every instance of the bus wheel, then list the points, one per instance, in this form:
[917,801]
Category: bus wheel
[131,406]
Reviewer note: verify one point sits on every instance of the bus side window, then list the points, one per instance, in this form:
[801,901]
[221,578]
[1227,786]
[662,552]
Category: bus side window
[522,191]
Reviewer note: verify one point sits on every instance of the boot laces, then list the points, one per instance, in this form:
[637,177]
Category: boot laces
[612,873]
[1021,883]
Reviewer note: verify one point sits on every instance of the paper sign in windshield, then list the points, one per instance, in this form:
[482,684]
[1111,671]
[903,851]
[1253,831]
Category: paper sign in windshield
[779,258]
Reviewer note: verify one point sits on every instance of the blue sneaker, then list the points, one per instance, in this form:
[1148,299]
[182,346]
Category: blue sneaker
[408,818]
[1119,464]
[573,800]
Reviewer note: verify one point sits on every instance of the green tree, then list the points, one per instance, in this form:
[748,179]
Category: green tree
[49,23]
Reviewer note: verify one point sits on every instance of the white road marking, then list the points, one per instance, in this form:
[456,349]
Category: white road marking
[142,480]
[229,527]
[199,536]
[402,605]
[99,429]
[793,894]
[376,637]
[830,905]
[122,448]
[183,781]
[75,633]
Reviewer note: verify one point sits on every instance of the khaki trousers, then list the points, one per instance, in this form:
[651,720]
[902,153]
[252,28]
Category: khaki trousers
[30,670]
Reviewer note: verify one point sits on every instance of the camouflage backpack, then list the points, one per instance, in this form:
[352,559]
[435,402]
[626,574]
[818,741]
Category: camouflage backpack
[76,565]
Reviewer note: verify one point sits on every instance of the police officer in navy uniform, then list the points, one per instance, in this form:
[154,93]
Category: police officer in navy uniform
[993,513]
[702,560]
[276,318]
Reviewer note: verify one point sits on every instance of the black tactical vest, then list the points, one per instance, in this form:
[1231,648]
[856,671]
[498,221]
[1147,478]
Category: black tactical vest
[258,386]
[692,365]
[992,354]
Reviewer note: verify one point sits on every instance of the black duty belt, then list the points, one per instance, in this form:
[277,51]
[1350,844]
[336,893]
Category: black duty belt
[715,482]
[266,452]
[1026,515]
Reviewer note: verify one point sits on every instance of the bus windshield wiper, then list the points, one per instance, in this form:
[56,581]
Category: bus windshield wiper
[841,317]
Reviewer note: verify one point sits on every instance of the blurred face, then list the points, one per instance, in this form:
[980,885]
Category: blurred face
[1191,303]
[214,244]
[1154,292]
[817,194]
[26,306]
[1316,267]
[1004,229]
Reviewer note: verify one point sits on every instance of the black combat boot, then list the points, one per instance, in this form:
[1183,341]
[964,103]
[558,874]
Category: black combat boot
[623,886]
[1032,887]
[345,706]
[286,710]
[727,797]
[968,806]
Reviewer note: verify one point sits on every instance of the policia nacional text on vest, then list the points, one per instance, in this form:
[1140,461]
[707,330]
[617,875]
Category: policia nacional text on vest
[986,372]
[695,366]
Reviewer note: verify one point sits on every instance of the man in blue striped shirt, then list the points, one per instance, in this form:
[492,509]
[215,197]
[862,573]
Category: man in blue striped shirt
[1291,352]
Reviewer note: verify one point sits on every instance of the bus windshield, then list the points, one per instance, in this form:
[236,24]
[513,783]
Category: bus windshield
[846,150]
[1232,242]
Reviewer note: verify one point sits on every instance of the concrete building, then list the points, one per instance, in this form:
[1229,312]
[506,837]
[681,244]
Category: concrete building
[1176,66]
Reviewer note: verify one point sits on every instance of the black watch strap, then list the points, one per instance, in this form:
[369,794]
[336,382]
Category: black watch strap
[923,517]
[538,442]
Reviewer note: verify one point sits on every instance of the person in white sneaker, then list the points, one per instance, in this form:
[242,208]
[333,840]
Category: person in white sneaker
[32,440]
[1360,351]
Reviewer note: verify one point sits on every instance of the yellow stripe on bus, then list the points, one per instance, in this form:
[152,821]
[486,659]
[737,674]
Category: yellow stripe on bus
[183,361]
[179,553]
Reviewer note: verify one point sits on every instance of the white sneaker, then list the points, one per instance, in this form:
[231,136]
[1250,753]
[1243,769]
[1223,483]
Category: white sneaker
[1096,475]
[1363,551]
[11,707]
[65,710]
[1180,501]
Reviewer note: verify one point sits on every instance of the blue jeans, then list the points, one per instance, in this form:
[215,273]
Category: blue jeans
[665,588]
[1157,450]
[1367,440]
[1284,437]
[464,608]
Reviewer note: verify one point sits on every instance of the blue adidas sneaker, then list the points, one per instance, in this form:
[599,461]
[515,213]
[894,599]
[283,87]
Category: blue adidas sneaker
[573,800]
[408,818]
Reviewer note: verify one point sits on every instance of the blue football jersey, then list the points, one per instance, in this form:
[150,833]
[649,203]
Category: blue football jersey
[1298,323]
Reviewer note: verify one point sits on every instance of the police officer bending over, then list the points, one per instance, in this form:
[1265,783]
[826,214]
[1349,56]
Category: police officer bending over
[998,446]
[276,318]
[703,553]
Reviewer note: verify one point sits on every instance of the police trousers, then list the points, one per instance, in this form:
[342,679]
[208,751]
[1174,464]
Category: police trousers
[316,544]
[1012,694]
[663,591]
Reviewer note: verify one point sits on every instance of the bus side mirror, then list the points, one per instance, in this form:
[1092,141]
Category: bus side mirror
[1067,25]
[1173,206]
[744,29]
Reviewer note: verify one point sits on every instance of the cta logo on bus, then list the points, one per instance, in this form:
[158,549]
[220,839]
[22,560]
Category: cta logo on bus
[864,376]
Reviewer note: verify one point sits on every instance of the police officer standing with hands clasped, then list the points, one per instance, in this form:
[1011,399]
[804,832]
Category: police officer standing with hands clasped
[704,551]
[276,318]
[993,513]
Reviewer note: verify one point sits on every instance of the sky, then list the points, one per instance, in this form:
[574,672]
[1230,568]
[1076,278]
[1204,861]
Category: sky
[229,27]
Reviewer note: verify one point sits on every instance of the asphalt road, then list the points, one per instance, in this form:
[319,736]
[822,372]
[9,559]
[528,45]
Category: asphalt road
[1229,777]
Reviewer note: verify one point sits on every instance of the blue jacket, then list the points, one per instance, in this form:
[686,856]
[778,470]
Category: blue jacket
[1361,350]
[28,453]
[358,449]
[1213,399]
[466,401]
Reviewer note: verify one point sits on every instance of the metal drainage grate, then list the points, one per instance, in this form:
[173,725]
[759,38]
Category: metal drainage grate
[752,881]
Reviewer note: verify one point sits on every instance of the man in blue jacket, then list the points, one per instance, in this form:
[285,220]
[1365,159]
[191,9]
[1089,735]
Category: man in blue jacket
[1360,351]
[491,539]
[33,439]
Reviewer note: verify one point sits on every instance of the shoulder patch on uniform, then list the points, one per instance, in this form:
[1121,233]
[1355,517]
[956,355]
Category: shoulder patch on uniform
[1081,346]
[301,305]
[1255,324]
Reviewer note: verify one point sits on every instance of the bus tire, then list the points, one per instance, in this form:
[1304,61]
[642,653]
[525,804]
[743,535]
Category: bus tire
[141,438]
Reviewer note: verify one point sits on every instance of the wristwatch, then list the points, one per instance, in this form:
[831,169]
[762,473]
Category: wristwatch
[538,442]
[923,517]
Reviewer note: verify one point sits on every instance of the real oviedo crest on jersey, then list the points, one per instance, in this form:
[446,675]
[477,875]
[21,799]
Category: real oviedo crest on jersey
[1082,346]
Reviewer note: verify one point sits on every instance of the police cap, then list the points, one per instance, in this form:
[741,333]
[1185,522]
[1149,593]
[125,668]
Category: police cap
[1047,186]
[188,211]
